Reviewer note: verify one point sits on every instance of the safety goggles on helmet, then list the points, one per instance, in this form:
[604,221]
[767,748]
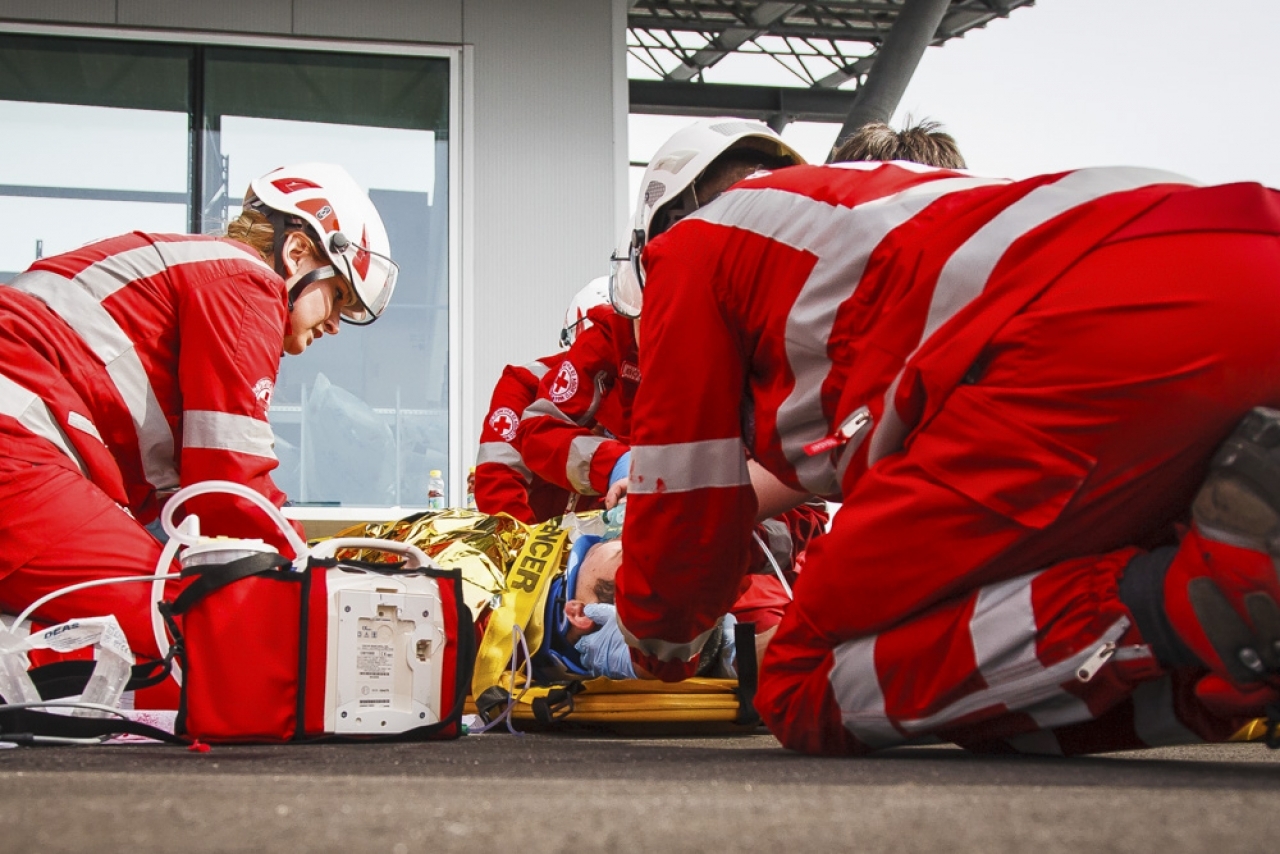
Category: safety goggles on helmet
[626,279]
[351,256]
[668,192]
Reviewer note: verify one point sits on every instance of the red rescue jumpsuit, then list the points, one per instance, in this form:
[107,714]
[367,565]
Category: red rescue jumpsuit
[128,368]
[1032,377]
[580,424]
[503,482]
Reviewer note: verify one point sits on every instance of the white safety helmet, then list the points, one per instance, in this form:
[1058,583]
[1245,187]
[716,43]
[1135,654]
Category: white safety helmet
[326,200]
[667,191]
[575,317]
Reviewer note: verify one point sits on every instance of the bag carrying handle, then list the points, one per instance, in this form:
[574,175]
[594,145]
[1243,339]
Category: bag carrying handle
[415,558]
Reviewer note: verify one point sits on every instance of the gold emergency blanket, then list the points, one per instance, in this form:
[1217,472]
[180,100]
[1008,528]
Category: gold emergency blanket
[482,547]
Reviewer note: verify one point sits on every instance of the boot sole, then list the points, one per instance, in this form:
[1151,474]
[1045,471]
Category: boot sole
[1240,499]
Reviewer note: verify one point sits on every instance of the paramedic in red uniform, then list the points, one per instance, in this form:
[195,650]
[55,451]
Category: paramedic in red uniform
[1016,389]
[144,363]
[576,433]
[503,482]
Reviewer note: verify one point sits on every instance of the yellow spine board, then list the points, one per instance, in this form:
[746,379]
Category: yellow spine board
[641,701]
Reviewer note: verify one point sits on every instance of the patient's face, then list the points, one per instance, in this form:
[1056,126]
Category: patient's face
[598,570]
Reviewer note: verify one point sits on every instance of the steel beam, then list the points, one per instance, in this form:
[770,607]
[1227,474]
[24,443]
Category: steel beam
[731,38]
[774,105]
[894,63]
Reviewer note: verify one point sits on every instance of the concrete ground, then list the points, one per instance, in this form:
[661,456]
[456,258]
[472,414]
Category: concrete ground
[584,792]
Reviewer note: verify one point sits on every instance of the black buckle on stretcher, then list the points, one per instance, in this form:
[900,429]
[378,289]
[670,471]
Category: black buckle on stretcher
[556,705]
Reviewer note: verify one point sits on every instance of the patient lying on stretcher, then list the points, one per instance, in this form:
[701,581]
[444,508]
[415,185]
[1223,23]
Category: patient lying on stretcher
[582,635]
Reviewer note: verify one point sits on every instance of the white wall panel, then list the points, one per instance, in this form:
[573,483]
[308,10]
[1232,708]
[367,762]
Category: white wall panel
[60,11]
[435,21]
[545,169]
[240,16]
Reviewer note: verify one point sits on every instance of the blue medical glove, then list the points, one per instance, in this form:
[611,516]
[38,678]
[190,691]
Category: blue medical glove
[621,469]
[604,652]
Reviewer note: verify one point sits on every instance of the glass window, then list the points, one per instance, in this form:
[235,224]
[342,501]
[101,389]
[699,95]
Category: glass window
[96,135]
[362,418]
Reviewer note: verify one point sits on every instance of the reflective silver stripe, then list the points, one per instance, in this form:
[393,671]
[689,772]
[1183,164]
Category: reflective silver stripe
[1037,692]
[1003,628]
[504,454]
[1004,649]
[686,466]
[1154,720]
[538,369]
[965,275]
[76,303]
[888,435]
[222,431]
[842,240]
[1041,743]
[1003,631]
[103,278]
[855,685]
[30,411]
[542,406]
[577,467]
[967,271]
[665,650]
[872,165]
[197,251]
[83,424]
[1059,711]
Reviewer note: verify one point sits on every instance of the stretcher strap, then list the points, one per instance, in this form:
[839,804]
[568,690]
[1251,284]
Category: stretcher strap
[527,582]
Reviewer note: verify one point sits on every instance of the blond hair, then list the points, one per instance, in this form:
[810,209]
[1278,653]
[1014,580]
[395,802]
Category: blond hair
[925,143]
[252,229]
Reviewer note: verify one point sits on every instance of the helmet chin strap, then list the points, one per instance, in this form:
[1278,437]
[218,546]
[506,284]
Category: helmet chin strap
[296,289]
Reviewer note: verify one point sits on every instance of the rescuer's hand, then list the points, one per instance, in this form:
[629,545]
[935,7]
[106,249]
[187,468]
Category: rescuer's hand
[604,652]
[616,494]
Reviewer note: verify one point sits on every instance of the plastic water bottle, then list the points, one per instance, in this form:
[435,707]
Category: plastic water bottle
[435,491]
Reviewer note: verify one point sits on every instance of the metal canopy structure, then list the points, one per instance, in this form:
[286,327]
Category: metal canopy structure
[824,45]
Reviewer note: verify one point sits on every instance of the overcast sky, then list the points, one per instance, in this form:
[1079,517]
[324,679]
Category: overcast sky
[1185,85]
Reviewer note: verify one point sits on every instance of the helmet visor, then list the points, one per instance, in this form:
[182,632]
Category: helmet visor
[372,291]
[626,280]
